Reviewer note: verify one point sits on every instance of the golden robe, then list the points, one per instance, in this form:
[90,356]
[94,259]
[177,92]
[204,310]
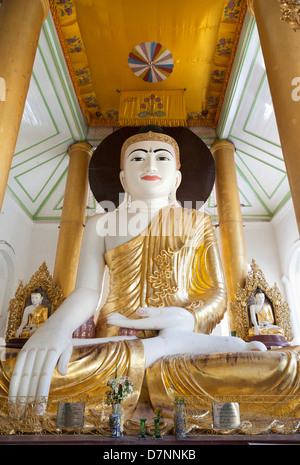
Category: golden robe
[178,267]
[174,263]
[36,318]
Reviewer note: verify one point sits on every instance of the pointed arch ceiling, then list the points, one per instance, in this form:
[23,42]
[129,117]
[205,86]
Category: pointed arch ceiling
[134,45]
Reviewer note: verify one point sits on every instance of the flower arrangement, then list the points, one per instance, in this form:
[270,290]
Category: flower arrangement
[120,387]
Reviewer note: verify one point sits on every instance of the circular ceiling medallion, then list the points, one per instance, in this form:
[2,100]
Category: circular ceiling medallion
[151,61]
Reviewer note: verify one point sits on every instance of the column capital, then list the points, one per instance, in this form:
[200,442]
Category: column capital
[82,146]
[46,7]
[223,143]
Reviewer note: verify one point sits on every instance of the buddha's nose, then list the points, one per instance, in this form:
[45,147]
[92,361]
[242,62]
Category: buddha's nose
[151,163]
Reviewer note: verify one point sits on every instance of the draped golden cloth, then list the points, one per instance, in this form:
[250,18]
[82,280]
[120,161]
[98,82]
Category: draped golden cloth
[175,262]
[161,107]
[36,318]
[89,370]
[245,377]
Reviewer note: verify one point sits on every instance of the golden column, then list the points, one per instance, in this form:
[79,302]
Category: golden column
[20,27]
[280,47]
[73,217]
[232,241]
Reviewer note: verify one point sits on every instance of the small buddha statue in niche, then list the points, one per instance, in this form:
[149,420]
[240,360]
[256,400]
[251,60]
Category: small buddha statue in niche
[262,316]
[34,315]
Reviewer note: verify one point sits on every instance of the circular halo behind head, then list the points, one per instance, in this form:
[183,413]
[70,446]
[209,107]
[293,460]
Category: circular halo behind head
[196,165]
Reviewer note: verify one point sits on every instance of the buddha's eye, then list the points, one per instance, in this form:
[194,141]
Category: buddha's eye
[163,158]
[137,159]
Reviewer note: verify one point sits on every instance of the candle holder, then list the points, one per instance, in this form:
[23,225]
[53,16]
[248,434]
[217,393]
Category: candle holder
[142,434]
[157,419]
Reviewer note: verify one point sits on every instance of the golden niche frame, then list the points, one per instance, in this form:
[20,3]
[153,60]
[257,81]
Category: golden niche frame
[256,280]
[53,297]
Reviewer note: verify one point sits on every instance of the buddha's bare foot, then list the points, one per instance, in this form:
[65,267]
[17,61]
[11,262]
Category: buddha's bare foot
[257,346]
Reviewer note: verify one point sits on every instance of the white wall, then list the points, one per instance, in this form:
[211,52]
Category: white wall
[286,231]
[287,237]
[15,239]
[261,245]
[42,248]
[24,246]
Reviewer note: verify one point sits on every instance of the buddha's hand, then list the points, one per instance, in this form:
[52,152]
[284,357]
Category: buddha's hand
[31,378]
[156,318]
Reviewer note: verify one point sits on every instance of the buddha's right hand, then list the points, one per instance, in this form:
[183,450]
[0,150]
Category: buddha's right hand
[33,371]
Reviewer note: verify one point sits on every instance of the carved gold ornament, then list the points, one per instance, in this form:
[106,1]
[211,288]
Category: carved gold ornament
[290,13]
[256,280]
[52,294]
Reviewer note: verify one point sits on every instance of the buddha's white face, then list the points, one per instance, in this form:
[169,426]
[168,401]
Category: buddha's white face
[36,299]
[259,298]
[150,170]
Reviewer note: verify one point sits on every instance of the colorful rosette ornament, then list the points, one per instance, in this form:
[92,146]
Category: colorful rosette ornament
[151,62]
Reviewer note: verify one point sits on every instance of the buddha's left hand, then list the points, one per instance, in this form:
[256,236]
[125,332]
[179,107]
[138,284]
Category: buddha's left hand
[154,318]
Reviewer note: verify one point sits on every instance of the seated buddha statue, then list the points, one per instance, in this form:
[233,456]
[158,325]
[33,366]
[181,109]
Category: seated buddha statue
[34,315]
[262,316]
[166,283]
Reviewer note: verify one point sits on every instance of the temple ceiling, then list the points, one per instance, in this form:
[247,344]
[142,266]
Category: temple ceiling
[139,46]
[56,114]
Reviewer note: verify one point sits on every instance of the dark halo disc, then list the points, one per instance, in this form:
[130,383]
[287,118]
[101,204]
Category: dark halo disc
[197,167]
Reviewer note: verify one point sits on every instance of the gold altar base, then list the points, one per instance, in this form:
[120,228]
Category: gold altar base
[259,415]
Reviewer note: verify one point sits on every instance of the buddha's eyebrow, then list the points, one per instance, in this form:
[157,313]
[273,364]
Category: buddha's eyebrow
[147,151]
[162,150]
[138,150]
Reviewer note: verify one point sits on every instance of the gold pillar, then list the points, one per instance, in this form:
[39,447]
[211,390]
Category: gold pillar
[73,217]
[280,47]
[20,27]
[232,242]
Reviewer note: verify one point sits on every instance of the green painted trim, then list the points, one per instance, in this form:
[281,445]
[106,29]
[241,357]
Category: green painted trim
[56,92]
[244,91]
[234,78]
[56,208]
[64,79]
[41,153]
[261,161]
[50,115]
[251,111]
[35,216]
[37,167]
[19,201]
[283,202]
[241,173]
[269,196]
[258,148]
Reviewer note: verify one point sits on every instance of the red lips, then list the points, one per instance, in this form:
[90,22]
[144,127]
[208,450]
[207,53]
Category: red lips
[149,177]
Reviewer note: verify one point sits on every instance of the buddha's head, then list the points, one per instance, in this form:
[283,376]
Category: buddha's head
[150,166]
[36,297]
[259,297]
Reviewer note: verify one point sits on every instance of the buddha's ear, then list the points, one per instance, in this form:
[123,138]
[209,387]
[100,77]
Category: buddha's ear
[178,179]
[122,179]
